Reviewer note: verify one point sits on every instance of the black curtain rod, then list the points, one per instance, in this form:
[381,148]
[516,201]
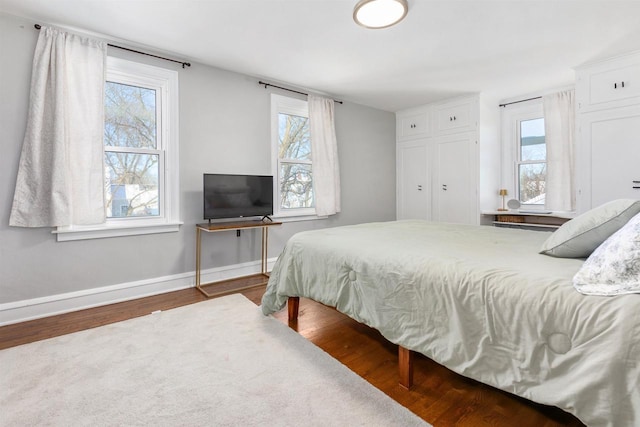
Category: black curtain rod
[522,100]
[184,64]
[266,85]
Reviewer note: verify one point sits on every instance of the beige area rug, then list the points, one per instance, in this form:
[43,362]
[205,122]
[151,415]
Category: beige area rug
[215,363]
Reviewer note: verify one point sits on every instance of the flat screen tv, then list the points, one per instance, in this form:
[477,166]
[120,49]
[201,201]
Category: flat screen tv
[237,196]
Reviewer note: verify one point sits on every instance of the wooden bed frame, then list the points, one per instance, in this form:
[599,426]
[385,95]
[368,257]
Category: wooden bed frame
[405,356]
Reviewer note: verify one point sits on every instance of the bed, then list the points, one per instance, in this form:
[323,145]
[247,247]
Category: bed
[482,302]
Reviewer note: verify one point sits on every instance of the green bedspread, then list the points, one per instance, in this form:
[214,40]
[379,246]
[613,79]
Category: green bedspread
[480,301]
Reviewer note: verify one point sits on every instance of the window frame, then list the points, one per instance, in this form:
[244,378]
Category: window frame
[292,106]
[519,162]
[160,88]
[512,116]
[165,82]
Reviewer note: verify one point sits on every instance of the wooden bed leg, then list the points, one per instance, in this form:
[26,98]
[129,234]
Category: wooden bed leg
[405,367]
[293,305]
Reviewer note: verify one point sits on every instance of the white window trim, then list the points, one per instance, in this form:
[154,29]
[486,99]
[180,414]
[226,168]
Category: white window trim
[167,81]
[299,107]
[511,117]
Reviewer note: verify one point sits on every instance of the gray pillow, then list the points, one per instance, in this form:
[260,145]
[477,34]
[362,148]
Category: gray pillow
[579,237]
[614,267]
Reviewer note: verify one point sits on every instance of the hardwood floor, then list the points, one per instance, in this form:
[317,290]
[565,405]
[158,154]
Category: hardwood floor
[439,396]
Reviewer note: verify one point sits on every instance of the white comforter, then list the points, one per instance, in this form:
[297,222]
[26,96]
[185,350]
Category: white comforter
[481,301]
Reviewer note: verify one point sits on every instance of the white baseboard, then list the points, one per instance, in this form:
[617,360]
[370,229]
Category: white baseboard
[36,308]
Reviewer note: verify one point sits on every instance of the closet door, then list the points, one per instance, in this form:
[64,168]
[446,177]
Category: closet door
[413,180]
[454,185]
[612,164]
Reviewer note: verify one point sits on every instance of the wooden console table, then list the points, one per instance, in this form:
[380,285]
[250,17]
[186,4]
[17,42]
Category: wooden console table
[238,283]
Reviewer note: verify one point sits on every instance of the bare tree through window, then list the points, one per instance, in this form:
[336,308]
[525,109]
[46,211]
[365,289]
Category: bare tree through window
[296,179]
[532,165]
[132,158]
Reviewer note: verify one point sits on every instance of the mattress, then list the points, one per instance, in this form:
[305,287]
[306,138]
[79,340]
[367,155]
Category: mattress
[480,301]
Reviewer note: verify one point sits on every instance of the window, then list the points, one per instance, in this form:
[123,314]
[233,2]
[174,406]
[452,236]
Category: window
[291,164]
[532,161]
[140,152]
[133,152]
[524,165]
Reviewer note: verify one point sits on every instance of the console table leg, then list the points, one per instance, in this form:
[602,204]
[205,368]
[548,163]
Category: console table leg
[265,239]
[198,246]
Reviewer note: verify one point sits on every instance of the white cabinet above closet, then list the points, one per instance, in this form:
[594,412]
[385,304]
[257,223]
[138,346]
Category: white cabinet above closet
[413,124]
[455,116]
[609,84]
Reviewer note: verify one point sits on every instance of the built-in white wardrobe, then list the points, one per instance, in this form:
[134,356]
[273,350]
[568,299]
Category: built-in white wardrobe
[438,161]
[608,131]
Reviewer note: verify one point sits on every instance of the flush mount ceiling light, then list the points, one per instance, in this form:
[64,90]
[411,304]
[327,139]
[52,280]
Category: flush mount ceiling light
[379,13]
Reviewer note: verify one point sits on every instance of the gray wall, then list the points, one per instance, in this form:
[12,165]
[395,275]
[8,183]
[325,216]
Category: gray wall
[225,128]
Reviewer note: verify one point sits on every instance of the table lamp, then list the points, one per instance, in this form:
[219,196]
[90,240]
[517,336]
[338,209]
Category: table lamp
[503,194]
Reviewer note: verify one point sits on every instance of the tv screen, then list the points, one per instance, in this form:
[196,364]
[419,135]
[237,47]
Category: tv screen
[237,196]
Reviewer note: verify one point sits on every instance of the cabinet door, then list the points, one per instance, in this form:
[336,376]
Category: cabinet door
[611,167]
[454,117]
[413,181]
[413,125]
[612,83]
[454,185]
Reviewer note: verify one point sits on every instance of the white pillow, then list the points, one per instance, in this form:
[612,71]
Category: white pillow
[579,237]
[614,267]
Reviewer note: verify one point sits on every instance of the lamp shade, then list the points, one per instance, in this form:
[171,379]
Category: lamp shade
[379,13]
[503,191]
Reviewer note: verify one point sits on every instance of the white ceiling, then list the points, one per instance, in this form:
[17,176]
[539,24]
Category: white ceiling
[443,48]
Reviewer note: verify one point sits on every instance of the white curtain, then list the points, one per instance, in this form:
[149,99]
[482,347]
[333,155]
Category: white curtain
[559,126]
[324,151]
[60,176]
